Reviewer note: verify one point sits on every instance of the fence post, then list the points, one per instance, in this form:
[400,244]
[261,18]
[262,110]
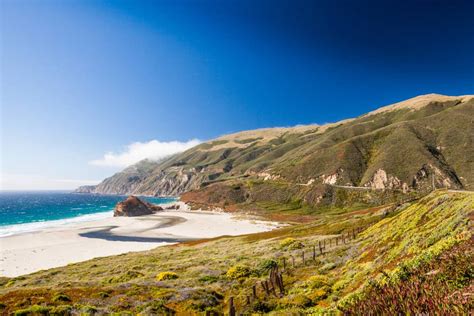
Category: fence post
[314,253]
[302,256]
[231,306]
[265,287]
[280,284]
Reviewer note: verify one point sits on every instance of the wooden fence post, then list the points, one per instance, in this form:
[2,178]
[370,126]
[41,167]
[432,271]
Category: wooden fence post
[314,253]
[280,284]
[231,306]
[265,287]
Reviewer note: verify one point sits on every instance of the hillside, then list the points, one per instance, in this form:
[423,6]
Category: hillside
[417,254]
[412,146]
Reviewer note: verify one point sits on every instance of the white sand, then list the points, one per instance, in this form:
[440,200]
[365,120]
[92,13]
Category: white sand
[58,246]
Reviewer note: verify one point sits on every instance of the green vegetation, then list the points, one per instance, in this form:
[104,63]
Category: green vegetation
[33,310]
[291,243]
[167,275]
[404,261]
[238,272]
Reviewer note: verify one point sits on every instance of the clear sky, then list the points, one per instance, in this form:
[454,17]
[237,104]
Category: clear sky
[88,87]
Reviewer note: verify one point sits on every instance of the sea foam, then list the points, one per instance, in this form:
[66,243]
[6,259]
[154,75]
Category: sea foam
[10,230]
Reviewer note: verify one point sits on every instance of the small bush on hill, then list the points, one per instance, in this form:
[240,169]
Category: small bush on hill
[129,275]
[317,281]
[61,310]
[238,272]
[166,275]
[267,265]
[291,243]
[61,298]
[33,310]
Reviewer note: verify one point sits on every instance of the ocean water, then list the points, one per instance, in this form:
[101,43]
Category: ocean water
[29,211]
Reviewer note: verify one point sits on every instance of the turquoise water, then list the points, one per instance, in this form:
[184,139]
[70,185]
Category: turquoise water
[27,211]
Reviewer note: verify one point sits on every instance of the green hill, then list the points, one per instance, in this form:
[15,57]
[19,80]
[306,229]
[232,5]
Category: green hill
[413,146]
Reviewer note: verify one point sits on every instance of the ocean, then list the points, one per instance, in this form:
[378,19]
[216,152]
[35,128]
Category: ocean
[29,211]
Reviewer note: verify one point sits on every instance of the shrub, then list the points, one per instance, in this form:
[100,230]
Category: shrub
[61,310]
[286,242]
[202,300]
[238,272]
[267,265]
[103,294]
[296,300]
[261,307]
[320,293]
[88,310]
[317,281]
[208,279]
[129,275]
[61,298]
[166,275]
[33,310]
[158,307]
[291,243]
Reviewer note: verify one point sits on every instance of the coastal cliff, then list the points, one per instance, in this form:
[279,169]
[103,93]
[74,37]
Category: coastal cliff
[412,146]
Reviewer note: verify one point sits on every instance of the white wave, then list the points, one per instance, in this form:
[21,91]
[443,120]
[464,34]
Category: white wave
[9,230]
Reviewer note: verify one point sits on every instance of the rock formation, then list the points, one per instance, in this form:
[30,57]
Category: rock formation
[133,206]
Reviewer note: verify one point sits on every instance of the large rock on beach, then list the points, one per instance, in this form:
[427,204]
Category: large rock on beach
[133,206]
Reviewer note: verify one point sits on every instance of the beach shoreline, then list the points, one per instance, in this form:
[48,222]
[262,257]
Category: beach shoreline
[60,245]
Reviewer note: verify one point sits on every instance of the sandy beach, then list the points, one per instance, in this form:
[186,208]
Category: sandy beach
[74,242]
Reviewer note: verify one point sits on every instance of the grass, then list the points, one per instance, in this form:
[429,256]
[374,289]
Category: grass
[392,250]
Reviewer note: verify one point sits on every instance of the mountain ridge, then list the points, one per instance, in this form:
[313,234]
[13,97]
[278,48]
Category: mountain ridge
[411,145]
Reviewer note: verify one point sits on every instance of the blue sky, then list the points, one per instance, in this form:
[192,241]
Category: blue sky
[80,79]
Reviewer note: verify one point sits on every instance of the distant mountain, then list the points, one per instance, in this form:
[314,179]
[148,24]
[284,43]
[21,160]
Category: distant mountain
[414,145]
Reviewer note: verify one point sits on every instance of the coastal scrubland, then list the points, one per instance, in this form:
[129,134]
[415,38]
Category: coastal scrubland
[410,256]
